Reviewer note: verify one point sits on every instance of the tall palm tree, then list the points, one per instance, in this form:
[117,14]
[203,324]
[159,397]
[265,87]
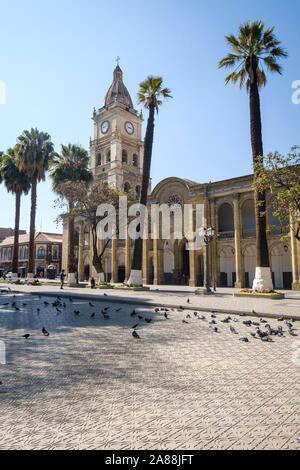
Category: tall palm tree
[252,49]
[17,182]
[150,94]
[70,165]
[34,152]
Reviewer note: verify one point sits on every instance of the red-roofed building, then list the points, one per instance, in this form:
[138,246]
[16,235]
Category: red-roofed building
[47,249]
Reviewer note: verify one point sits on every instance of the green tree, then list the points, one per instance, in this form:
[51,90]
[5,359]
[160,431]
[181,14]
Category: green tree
[150,95]
[252,49]
[34,152]
[87,198]
[16,182]
[281,175]
[71,165]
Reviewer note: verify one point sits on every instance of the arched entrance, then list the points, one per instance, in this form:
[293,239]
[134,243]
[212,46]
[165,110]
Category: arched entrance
[227,267]
[121,268]
[182,263]
[281,267]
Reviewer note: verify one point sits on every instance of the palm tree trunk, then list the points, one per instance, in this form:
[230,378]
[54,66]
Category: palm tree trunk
[263,280]
[136,264]
[262,255]
[32,228]
[71,252]
[15,260]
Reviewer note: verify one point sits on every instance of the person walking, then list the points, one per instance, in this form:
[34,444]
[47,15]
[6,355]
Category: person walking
[62,278]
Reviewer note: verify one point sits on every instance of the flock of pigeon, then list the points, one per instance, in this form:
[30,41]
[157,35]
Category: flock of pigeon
[263,330]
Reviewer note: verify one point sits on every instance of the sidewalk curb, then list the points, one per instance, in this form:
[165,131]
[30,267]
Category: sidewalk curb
[150,303]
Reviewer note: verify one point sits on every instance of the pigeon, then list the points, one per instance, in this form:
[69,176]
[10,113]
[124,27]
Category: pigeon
[184,321]
[148,320]
[235,320]
[17,309]
[266,339]
[105,309]
[263,321]
[46,303]
[140,317]
[202,317]
[166,315]
[188,316]
[135,326]
[253,335]
[24,305]
[135,335]
[105,295]
[118,309]
[247,322]
[90,304]
[156,310]
[297,440]
[255,323]
[107,317]
[233,330]
[281,319]
[244,339]
[70,299]
[213,322]
[196,314]
[213,316]
[38,311]
[77,312]
[92,315]
[226,320]
[57,310]
[214,328]
[188,301]
[26,336]
[133,313]
[45,332]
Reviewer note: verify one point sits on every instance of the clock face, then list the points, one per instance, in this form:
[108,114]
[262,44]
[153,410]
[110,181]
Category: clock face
[175,199]
[129,127]
[104,127]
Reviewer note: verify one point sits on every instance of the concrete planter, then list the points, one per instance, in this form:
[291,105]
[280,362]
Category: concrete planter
[203,292]
[260,296]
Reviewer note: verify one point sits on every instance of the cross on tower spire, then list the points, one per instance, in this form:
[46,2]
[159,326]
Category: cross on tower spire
[118,60]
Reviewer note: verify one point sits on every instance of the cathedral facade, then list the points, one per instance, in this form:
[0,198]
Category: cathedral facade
[116,155]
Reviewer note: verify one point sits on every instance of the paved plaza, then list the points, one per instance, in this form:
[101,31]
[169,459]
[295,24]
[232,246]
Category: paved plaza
[92,385]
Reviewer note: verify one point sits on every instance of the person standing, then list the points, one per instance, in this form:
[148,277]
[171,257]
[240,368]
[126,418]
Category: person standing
[62,278]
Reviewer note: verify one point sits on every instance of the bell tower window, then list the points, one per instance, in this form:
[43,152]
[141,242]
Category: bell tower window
[135,160]
[124,156]
[108,158]
[99,159]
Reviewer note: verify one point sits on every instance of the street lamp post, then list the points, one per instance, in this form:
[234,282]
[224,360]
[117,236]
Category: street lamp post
[208,236]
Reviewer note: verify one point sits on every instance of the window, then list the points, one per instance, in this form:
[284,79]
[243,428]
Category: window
[108,158]
[126,187]
[124,156]
[135,160]
[41,254]
[55,252]
[99,159]
[138,191]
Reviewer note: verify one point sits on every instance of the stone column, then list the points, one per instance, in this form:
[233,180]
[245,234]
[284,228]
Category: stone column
[192,259]
[80,254]
[114,260]
[145,262]
[237,242]
[215,225]
[127,257]
[295,251]
[158,264]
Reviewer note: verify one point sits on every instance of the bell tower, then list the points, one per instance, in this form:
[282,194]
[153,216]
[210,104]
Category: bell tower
[116,153]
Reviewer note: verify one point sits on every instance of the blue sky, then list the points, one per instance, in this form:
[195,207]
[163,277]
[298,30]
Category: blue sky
[57,59]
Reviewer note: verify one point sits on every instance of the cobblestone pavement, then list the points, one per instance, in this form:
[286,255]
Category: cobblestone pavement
[91,385]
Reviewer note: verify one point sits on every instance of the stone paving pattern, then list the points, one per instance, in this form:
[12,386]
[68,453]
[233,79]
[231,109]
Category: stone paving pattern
[91,385]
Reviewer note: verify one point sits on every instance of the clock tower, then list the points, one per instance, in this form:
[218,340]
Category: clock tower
[116,152]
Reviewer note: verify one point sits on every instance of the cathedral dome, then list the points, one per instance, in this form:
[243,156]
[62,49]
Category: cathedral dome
[118,91]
